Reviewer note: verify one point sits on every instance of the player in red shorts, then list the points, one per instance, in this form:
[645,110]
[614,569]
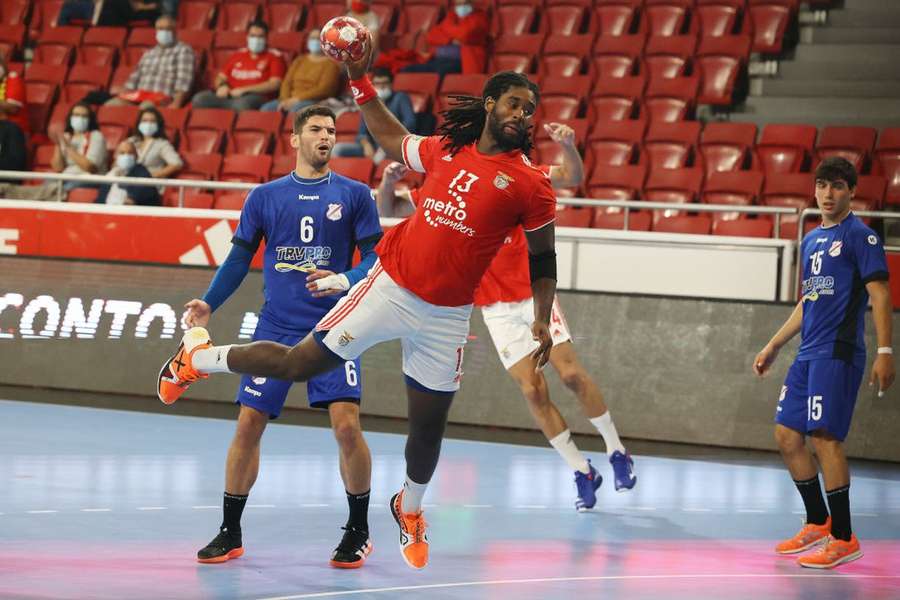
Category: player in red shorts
[479,186]
[504,296]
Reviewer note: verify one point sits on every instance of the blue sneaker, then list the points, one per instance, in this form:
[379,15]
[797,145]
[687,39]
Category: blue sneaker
[623,469]
[586,485]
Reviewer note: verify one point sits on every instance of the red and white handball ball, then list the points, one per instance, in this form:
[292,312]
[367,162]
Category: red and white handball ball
[344,39]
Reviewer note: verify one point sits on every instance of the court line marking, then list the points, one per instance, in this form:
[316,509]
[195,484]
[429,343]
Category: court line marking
[41,512]
[96,510]
[432,586]
[863,514]
[478,506]
[260,506]
[204,507]
[641,507]
[152,507]
[314,505]
[750,510]
[696,509]
[531,506]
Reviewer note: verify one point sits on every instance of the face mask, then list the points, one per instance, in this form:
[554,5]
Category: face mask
[314,46]
[125,161]
[359,7]
[164,37]
[79,124]
[463,10]
[148,128]
[256,44]
[384,93]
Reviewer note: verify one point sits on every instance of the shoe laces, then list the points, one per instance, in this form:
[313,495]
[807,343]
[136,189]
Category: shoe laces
[419,532]
[353,540]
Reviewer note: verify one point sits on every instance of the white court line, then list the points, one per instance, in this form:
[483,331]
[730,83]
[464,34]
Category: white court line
[152,507]
[641,507]
[96,510]
[863,515]
[204,507]
[798,512]
[260,506]
[314,505]
[750,510]
[531,506]
[41,512]
[696,509]
[566,579]
[470,506]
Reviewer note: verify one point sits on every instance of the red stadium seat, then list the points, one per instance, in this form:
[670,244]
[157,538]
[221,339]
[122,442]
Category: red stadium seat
[200,166]
[39,99]
[43,157]
[870,189]
[669,56]
[740,188]
[37,72]
[670,100]
[144,37]
[562,97]
[202,140]
[322,12]
[256,120]
[418,17]
[637,221]
[249,141]
[192,198]
[58,117]
[562,20]
[727,146]
[574,216]
[615,142]
[514,19]
[458,84]
[283,16]
[82,195]
[201,40]
[679,186]
[698,225]
[195,14]
[250,168]
[359,169]
[12,13]
[614,19]
[230,201]
[795,190]
[722,62]
[282,164]
[205,129]
[665,19]
[853,143]
[758,228]
[84,79]
[421,88]
[520,63]
[105,36]
[887,163]
[617,183]
[564,65]
[121,116]
[671,145]
[97,56]
[387,16]
[347,126]
[785,148]
[54,54]
[716,20]
[617,98]
[616,56]
[770,23]
[288,42]
[44,16]
[174,119]
[236,16]
[67,35]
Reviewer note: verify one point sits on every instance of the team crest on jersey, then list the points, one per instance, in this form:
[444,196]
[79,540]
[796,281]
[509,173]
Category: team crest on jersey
[835,249]
[345,339]
[502,180]
[259,380]
[334,212]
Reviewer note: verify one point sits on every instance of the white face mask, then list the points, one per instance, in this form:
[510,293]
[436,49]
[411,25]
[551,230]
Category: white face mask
[79,124]
[463,10]
[384,93]
[148,128]
[125,161]
[164,37]
[314,46]
[256,44]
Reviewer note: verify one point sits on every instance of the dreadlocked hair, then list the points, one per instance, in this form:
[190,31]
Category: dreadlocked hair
[464,120]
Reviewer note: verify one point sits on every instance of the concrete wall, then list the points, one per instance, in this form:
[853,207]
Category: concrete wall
[673,369]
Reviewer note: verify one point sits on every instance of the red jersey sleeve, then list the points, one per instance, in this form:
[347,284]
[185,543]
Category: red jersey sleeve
[419,152]
[542,207]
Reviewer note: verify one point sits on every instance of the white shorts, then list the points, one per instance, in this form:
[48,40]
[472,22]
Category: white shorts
[509,324]
[377,310]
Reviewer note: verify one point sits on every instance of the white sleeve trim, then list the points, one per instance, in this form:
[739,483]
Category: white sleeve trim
[541,227]
[411,156]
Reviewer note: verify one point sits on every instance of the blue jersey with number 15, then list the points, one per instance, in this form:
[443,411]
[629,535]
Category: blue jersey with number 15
[306,224]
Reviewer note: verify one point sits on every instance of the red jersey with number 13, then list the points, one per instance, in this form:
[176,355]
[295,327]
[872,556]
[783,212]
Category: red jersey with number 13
[469,203]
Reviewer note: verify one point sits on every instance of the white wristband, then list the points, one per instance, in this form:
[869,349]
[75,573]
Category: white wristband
[885,350]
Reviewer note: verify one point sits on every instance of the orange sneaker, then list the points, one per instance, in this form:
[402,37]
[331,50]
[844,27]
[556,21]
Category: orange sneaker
[177,373]
[833,553]
[413,541]
[808,536]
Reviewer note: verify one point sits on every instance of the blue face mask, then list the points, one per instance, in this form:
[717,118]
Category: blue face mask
[256,44]
[463,10]
[314,46]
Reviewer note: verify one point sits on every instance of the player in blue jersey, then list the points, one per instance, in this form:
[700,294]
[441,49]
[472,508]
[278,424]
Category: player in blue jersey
[311,220]
[843,267]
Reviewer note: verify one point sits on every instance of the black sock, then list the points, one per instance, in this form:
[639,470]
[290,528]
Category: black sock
[811,492]
[359,511]
[232,507]
[839,502]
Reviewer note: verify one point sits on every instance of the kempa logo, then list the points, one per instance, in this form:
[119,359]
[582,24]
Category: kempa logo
[305,197]
[450,214]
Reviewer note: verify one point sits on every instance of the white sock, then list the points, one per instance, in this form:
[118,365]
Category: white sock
[412,496]
[607,429]
[212,360]
[570,452]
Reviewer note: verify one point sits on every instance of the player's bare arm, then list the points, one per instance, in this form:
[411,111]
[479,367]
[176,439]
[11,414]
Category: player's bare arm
[883,371]
[390,203]
[382,124]
[542,262]
[570,172]
[766,357]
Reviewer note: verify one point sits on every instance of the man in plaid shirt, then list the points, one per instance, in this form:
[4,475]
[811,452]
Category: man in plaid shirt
[164,74]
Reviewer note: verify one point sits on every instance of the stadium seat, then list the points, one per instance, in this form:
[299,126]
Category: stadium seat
[120,116]
[722,65]
[617,183]
[288,42]
[513,19]
[696,225]
[716,20]
[785,148]
[616,56]
[322,12]
[83,79]
[871,189]
[43,158]
[97,56]
[230,201]
[418,17]
[615,142]
[44,16]
[113,37]
[616,98]
[789,227]
[665,18]
[574,216]
[771,19]
[562,97]
[679,186]
[359,169]
[637,221]
[38,72]
[284,16]
[516,52]
[614,19]
[282,164]
[200,166]
[794,190]
[562,20]
[727,146]
[668,56]
[249,168]
[458,84]
[58,117]
[192,198]
[520,63]
[205,129]
[67,35]
[564,65]
[249,141]
[421,88]
[236,16]
[740,188]
[195,14]
[12,13]
[671,145]
[54,54]
[39,99]
[758,228]
[887,163]
[83,195]
[670,100]
[387,16]
[347,126]
[853,143]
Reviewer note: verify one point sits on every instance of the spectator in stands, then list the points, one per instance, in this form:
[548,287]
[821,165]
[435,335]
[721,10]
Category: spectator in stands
[458,42]
[397,102]
[153,149]
[12,97]
[81,148]
[108,13]
[165,73]
[126,165]
[251,76]
[12,147]
[310,78]
[361,10]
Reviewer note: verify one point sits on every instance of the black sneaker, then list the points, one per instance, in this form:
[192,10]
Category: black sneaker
[224,546]
[353,550]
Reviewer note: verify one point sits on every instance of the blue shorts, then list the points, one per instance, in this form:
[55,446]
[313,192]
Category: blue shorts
[819,394]
[268,395]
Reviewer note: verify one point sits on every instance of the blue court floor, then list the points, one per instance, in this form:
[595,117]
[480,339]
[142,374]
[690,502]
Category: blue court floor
[102,504]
